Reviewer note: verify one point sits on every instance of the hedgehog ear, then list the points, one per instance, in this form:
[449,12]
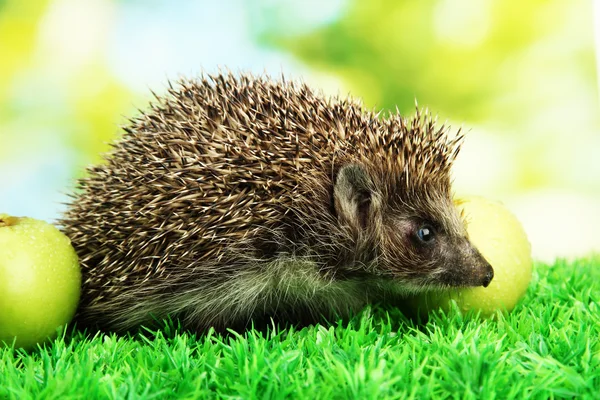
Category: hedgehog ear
[353,196]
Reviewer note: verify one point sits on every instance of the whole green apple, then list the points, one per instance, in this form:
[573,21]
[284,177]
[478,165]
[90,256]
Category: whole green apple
[502,241]
[40,280]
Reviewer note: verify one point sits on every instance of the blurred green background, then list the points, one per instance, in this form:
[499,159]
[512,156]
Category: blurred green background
[520,76]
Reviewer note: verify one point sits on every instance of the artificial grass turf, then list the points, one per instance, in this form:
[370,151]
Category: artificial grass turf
[548,347]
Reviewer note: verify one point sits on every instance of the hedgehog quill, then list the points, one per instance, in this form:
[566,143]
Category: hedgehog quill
[236,198]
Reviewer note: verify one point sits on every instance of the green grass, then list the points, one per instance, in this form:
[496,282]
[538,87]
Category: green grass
[548,347]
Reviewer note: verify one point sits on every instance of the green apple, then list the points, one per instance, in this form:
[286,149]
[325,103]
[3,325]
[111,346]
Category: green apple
[40,280]
[502,241]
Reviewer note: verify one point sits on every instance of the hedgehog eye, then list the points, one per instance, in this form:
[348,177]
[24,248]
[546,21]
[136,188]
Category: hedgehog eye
[425,233]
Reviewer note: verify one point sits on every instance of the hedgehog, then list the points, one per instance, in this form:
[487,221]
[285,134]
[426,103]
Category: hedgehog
[237,198]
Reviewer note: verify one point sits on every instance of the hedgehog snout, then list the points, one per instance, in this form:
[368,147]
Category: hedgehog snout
[488,276]
[482,269]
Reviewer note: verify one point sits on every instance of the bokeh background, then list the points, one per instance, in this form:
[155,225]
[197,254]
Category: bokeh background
[520,76]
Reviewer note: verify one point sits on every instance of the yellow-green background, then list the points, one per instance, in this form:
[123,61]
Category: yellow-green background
[521,76]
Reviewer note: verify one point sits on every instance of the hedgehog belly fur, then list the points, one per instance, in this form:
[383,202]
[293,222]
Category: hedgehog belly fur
[290,287]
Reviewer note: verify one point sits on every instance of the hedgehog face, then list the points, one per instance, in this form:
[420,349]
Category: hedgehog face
[420,241]
[430,250]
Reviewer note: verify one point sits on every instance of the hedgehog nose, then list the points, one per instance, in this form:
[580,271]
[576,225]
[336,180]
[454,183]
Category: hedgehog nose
[487,278]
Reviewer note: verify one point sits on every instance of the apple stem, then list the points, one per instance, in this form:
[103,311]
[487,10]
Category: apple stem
[8,221]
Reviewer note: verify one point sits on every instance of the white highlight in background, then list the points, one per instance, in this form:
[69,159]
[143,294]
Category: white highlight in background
[596,23]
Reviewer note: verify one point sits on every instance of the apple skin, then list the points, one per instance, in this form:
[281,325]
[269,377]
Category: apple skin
[40,281]
[501,239]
